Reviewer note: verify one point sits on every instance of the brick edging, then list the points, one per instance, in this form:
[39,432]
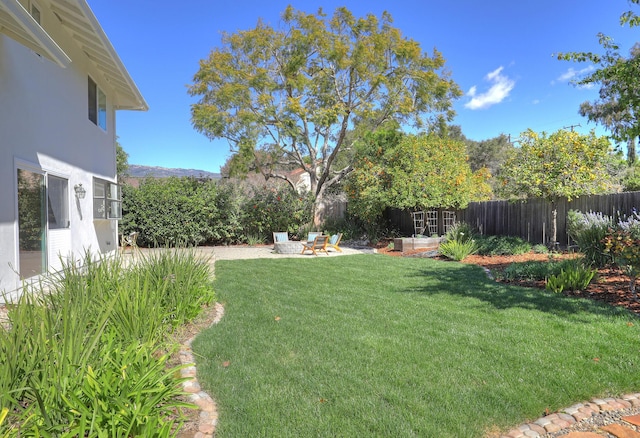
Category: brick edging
[208,410]
[573,414]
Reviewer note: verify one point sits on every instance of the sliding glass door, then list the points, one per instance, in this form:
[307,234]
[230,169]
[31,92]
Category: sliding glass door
[32,223]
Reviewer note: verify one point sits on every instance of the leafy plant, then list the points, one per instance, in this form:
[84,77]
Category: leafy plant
[588,230]
[623,244]
[460,231]
[574,276]
[458,242]
[502,245]
[80,356]
[255,239]
[540,249]
[458,249]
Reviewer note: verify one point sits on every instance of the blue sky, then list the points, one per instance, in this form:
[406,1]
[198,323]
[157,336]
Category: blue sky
[500,53]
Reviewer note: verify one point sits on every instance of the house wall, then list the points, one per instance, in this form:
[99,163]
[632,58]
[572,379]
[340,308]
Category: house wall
[44,125]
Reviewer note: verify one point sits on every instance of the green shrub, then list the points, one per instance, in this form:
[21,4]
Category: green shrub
[349,226]
[458,249]
[460,231]
[174,212]
[458,242]
[538,270]
[269,209]
[588,230]
[502,245]
[181,278]
[255,239]
[573,276]
[540,249]
[79,358]
[170,212]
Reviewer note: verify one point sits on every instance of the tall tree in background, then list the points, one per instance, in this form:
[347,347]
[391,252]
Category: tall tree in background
[488,154]
[413,172]
[561,165]
[295,93]
[122,161]
[619,79]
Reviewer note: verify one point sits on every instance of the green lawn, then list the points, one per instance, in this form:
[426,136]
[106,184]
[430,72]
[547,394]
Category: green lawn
[371,345]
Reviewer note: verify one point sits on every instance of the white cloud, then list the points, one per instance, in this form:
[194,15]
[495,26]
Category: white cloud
[502,86]
[572,74]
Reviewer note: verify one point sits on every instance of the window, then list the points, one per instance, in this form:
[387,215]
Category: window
[97,105]
[107,200]
[57,202]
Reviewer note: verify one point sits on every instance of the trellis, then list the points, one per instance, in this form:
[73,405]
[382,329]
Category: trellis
[426,223]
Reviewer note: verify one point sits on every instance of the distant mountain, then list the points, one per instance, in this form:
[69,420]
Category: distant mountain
[139,171]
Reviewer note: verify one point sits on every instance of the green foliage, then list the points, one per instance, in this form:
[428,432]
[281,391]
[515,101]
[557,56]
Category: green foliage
[350,227]
[575,275]
[170,212]
[255,239]
[540,249]
[458,249]
[270,209]
[180,280]
[278,95]
[565,164]
[80,356]
[502,245]
[411,172]
[619,93]
[631,179]
[187,212]
[459,242]
[532,270]
[623,244]
[588,230]
[122,161]
[460,231]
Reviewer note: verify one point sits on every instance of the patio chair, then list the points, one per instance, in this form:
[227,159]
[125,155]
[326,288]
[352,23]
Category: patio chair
[312,235]
[334,241]
[130,241]
[280,236]
[319,244]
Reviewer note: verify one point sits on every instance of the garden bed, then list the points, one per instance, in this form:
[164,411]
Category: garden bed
[611,285]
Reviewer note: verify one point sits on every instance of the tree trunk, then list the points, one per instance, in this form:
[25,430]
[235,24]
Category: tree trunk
[554,225]
[631,151]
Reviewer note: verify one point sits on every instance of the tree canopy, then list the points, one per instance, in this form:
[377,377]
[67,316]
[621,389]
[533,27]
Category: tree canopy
[619,78]
[416,172]
[122,161]
[302,93]
[565,164]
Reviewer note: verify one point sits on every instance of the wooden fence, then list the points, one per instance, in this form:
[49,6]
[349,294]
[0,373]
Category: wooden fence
[531,219]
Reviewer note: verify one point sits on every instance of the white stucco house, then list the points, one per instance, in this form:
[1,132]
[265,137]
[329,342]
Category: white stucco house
[61,83]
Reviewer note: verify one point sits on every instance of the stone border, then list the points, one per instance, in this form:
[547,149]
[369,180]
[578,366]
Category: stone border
[572,415]
[208,410]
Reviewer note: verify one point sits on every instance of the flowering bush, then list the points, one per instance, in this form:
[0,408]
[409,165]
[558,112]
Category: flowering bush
[588,230]
[623,244]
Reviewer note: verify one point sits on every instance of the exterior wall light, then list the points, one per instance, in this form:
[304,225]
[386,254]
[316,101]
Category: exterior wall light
[80,191]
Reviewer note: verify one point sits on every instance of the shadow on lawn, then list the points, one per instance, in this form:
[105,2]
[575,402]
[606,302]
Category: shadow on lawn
[471,281]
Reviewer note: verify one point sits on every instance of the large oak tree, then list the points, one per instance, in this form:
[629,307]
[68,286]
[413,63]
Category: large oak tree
[299,95]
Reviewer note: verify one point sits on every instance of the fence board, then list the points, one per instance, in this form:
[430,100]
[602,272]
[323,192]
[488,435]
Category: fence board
[531,219]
